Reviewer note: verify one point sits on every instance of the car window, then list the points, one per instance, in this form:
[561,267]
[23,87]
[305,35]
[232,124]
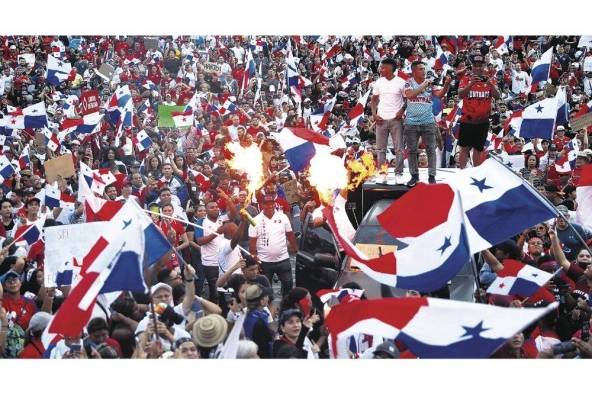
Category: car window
[376,235]
[319,240]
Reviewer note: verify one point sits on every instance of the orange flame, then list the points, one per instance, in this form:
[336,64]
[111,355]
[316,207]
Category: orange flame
[361,169]
[327,173]
[247,160]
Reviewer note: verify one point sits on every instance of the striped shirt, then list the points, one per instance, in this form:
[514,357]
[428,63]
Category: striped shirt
[419,108]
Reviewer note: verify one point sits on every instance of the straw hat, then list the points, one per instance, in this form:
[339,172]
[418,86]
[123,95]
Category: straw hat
[210,330]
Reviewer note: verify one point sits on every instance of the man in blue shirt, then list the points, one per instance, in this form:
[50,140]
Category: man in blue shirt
[420,121]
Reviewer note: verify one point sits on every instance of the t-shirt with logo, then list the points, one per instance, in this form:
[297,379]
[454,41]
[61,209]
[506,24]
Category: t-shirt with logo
[419,108]
[477,103]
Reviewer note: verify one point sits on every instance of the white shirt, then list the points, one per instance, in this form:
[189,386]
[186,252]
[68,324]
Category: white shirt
[179,328]
[239,54]
[390,95]
[520,82]
[209,251]
[272,245]
[227,257]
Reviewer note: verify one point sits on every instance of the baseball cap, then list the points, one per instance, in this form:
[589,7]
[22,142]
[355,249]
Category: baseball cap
[159,286]
[562,209]
[287,314]
[560,128]
[10,274]
[268,198]
[388,349]
[39,321]
[256,292]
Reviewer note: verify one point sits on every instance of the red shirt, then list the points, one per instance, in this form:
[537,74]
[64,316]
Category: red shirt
[33,350]
[560,142]
[178,227]
[477,103]
[24,309]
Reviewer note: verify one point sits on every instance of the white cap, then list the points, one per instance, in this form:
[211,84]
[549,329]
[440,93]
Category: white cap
[159,286]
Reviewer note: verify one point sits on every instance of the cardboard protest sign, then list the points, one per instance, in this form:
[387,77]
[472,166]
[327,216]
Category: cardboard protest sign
[60,166]
[581,122]
[211,67]
[68,244]
[106,71]
[291,190]
[373,250]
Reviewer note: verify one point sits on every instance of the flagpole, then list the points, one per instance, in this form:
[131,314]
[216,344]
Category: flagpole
[545,199]
[190,224]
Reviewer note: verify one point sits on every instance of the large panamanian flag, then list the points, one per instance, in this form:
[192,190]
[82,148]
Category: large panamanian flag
[430,327]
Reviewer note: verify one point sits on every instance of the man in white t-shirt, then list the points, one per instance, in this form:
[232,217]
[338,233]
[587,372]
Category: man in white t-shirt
[271,240]
[388,106]
[520,80]
[210,244]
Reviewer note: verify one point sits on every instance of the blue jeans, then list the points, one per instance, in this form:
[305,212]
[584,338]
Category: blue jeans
[283,269]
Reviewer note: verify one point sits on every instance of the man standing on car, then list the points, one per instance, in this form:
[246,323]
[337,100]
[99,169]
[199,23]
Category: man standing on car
[420,121]
[388,106]
[476,90]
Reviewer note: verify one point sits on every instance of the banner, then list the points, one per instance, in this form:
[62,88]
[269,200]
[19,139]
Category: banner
[29,59]
[210,67]
[89,102]
[164,114]
[66,243]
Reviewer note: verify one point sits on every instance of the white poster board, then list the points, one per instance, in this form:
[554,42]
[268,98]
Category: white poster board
[64,243]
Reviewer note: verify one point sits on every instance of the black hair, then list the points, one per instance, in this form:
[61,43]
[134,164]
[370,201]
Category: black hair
[6,200]
[389,61]
[510,248]
[292,298]
[417,63]
[164,189]
[163,275]
[96,324]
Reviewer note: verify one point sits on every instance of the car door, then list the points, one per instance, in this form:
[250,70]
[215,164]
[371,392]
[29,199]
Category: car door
[310,273]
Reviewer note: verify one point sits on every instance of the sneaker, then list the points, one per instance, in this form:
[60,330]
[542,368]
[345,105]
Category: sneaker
[413,181]
[398,179]
[431,179]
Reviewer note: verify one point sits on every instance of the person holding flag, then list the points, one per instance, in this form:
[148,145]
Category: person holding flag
[476,90]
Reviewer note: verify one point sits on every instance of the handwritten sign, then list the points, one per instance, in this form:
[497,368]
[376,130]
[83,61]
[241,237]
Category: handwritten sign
[68,245]
[581,122]
[210,67]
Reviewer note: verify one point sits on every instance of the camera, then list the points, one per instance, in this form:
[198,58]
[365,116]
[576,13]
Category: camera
[167,314]
[563,347]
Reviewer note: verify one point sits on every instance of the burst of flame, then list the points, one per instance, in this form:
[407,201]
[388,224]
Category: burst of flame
[361,169]
[247,160]
[327,173]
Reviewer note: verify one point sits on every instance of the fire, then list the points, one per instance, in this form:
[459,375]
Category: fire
[247,160]
[327,173]
[361,169]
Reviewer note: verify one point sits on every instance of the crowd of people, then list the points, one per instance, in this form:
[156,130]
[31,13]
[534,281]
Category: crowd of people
[225,267]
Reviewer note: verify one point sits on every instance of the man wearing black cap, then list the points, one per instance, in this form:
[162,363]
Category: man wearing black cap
[476,90]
